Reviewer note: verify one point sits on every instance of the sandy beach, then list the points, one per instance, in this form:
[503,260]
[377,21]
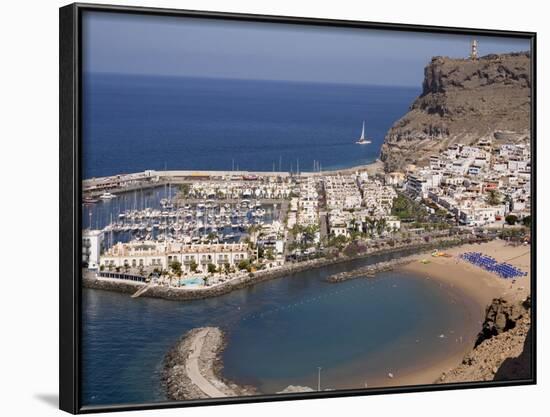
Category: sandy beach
[475,282]
[477,288]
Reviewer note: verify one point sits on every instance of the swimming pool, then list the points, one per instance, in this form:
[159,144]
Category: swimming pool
[191,282]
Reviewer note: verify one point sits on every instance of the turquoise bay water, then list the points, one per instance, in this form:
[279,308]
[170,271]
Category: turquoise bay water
[278,331]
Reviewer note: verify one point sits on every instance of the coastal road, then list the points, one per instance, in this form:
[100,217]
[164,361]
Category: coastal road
[193,370]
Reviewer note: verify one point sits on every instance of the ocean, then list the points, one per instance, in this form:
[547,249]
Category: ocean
[134,123]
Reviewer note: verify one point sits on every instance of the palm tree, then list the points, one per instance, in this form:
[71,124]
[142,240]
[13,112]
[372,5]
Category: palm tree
[380,226]
[493,198]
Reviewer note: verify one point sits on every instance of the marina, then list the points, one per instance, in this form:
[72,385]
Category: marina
[155,215]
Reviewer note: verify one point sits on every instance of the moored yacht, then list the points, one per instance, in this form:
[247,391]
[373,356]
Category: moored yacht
[107,196]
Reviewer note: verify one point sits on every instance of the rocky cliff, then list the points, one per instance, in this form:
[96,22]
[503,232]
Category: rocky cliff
[503,347]
[463,100]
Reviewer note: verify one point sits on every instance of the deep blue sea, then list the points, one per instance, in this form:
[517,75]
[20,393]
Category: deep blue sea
[134,123]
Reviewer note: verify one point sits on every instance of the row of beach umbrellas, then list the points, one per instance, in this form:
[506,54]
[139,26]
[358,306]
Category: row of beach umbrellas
[502,269]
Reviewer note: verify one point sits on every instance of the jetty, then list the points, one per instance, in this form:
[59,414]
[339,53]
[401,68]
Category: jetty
[192,368]
[369,271]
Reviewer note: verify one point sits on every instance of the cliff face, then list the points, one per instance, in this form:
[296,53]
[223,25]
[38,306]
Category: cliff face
[463,101]
[503,347]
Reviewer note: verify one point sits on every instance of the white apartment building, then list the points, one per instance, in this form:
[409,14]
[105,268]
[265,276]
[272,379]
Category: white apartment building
[161,255]
[92,241]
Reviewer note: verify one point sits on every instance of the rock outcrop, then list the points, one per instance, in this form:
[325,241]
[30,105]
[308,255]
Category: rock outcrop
[503,347]
[500,317]
[463,101]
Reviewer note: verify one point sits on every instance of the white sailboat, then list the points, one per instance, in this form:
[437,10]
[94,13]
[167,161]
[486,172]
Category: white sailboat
[362,140]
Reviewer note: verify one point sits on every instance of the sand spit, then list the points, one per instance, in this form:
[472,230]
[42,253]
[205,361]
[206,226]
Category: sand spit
[192,368]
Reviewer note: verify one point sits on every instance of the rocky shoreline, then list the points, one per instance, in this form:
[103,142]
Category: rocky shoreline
[89,280]
[192,368]
[502,350]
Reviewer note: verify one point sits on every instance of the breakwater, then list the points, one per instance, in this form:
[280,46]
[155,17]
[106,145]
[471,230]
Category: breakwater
[192,368]
[369,271]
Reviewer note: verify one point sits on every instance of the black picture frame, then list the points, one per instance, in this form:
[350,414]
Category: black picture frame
[70,235]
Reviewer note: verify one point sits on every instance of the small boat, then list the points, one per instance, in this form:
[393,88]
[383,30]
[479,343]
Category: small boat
[362,140]
[89,200]
[107,196]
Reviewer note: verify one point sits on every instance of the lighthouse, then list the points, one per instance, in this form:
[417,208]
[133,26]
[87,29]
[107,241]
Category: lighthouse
[473,49]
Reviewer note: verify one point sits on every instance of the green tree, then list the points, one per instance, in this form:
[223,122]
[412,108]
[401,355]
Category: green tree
[269,255]
[261,252]
[511,219]
[494,198]
[380,226]
[243,264]
[176,268]
[193,266]
[527,221]
[211,268]
[338,241]
[308,233]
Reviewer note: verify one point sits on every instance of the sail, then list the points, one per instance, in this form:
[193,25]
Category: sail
[363,132]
